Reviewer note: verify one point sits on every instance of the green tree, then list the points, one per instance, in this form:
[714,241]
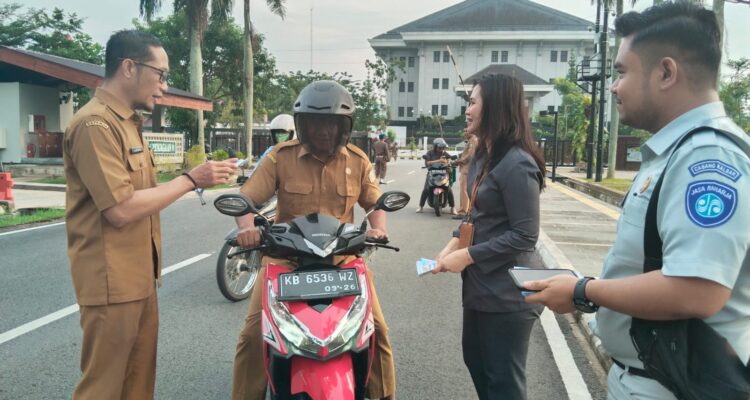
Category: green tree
[248,81]
[222,66]
[735,92]
[197,18]
[56,32]
[573,122]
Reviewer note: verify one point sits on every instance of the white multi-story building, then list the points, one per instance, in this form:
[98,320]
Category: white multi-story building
[517,37]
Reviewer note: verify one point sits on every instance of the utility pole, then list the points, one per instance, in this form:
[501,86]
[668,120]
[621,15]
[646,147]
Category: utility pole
[602,99]
[311,38]
[592,116]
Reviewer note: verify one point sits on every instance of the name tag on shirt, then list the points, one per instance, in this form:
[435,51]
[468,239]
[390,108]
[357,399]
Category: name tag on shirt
[136,150]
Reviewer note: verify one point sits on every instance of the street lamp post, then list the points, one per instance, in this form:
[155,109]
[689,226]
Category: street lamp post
[554,142]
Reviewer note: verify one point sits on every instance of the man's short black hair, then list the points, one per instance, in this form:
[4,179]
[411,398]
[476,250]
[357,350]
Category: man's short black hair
[681,30]
[133,44]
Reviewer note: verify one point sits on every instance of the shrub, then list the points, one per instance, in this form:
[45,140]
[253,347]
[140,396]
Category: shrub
[194,157]
[219,155]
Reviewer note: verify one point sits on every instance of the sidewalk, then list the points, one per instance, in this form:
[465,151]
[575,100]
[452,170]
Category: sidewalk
[577,232]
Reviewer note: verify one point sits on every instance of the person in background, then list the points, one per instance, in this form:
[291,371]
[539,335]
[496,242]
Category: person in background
[382,157]
[506,176]
[438,154]
[463,171]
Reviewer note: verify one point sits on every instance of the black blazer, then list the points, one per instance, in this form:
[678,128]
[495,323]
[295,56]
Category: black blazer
[506,228]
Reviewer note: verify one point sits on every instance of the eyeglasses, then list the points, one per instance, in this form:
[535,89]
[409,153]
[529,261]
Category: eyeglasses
[163,74]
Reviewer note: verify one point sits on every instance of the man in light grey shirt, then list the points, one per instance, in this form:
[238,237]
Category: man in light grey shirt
[668,64]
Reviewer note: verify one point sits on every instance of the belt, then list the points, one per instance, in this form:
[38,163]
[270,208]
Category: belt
[633,370]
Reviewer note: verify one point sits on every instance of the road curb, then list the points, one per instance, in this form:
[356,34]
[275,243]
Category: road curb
[50,187]
[594,190]
[553,257]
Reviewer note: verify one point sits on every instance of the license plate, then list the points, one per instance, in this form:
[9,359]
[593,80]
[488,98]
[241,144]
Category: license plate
[311,285]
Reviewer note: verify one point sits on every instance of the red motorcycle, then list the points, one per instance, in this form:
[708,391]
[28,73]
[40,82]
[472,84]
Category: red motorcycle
[318,329]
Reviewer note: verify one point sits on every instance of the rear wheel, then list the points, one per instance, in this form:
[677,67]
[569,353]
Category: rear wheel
[236,276]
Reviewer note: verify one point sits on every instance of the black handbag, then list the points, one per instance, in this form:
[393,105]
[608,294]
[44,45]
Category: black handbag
[687,356]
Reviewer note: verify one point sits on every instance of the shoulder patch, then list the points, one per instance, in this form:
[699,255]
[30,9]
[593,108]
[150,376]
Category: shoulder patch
[97,122]
[715,166]
[356,150]
[710,203]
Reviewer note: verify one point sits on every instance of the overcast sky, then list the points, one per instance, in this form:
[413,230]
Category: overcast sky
[340,29]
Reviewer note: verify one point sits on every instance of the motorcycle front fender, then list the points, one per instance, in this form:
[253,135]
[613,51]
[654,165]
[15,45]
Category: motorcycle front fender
[331,379]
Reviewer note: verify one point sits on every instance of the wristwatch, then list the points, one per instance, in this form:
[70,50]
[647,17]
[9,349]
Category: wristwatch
[582,303]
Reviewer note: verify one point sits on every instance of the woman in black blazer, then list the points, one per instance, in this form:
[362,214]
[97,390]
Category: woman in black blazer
[509,171]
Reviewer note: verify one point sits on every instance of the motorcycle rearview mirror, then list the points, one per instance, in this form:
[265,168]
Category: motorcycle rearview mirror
[234,204]
[388,202]
[241,163]
[392,201]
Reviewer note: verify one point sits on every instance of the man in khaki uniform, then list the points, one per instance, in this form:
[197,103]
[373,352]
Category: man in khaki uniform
[463,171]
[382,157]
[112,220]
[319,172]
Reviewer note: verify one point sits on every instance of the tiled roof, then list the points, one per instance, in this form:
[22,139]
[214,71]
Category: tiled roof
[493,16]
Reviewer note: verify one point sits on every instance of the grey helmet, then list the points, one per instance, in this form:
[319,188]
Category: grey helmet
[325,98]
[439,144]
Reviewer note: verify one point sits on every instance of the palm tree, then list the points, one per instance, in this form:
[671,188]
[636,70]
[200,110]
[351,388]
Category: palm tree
[277,7]
[197,12]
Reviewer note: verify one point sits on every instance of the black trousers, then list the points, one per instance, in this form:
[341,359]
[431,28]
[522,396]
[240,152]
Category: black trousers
[495,346]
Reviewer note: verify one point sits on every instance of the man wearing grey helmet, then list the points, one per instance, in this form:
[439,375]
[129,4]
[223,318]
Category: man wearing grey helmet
[317,172]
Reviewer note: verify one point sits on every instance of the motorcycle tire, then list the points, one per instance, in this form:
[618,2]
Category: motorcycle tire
[237,276]
[438,205]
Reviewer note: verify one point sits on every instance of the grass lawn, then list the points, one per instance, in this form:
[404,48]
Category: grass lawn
[41,215]
[58,180]
[621,185]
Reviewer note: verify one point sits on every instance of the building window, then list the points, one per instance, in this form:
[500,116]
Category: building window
[504,56]
[494,56]
[410,87]
[402,86]
[436,83]
[553,56]
[564,56]
[436,56]
[410,112]
[586,62]
[411,62]
[444,110]
[401,111]
[550,109]
[446,56]
[463,110]
[434,109]
[445,83]
[402,60]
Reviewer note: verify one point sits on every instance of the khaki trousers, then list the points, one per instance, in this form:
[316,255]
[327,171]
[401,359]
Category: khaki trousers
[381,166]
[118,351]
[464,189]
[249,379]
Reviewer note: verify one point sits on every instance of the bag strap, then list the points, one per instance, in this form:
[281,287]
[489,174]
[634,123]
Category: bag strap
[652,243]
[473,198]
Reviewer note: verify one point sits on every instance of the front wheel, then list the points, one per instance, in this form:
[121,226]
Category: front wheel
[438,204]
[236,276]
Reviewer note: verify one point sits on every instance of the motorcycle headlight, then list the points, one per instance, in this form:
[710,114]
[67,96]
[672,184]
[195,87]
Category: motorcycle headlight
[297,333]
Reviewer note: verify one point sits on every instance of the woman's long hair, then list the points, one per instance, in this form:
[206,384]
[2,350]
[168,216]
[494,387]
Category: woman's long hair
[505,120]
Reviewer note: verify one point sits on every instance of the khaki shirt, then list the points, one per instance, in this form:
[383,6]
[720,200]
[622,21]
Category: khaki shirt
[307,185]
[467,155]
[106,160]
[381,149]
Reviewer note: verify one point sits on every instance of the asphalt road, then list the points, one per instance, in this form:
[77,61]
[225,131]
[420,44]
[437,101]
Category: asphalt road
[199,328]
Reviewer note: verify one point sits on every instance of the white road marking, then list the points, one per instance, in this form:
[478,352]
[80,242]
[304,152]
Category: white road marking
[32,228]
[571,376]
[62,313]
[411,172]
[390,181]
